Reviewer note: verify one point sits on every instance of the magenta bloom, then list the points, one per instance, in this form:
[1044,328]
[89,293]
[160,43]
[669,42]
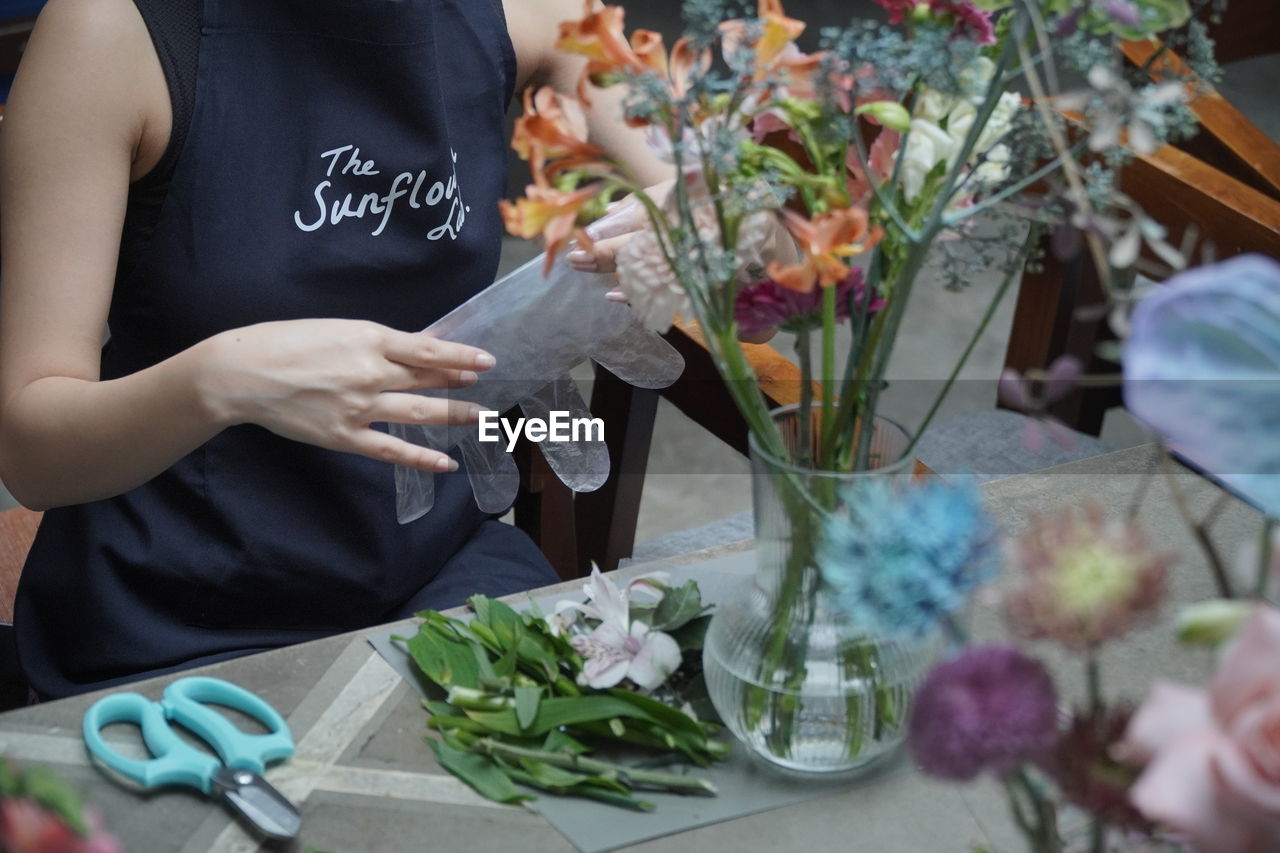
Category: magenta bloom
[990,708]
[768,305]
[967,19]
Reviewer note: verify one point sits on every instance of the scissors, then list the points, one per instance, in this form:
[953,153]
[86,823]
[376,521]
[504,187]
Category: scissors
[237,778]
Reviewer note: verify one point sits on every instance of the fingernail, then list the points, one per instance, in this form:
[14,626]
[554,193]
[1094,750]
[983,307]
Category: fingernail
[468,377]
[473,414]
[484,361]
[616,296]
[446,464]
[582,260]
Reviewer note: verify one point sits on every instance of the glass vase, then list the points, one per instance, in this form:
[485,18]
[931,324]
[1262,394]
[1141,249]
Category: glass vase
[793,676]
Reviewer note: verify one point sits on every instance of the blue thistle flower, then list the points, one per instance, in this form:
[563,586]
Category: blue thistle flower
[903,557]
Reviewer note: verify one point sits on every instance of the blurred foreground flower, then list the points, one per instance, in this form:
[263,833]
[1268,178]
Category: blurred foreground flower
[1085,580]
[1089,775]
[907,554]
[1213,759]
[991,708]
[1208,343]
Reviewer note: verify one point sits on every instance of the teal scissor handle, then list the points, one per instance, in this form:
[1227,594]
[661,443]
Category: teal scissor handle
[187,701]
[175,763]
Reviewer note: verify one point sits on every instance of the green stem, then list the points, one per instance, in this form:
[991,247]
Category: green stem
[678,783]
[1093,680]
[1265,550]
[804,451]
[829,393]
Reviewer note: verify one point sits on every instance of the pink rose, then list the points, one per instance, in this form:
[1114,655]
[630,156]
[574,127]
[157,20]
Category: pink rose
[1213,760]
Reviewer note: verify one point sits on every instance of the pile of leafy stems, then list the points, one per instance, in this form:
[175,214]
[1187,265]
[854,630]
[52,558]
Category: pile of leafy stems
[513,713]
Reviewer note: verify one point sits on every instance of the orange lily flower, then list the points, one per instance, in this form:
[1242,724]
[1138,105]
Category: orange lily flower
[778,32]
[545,132]
[546,211]
[686,64]
[827,241]
[649,50]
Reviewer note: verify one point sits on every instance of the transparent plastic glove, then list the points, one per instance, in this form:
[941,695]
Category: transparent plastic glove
[538,329]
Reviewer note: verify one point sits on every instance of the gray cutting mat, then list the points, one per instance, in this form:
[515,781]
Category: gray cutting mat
[746,785]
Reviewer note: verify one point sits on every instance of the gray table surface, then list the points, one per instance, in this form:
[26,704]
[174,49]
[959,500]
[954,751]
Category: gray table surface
[365,781]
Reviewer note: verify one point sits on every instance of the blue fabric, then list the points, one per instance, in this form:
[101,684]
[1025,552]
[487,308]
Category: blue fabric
[344,160]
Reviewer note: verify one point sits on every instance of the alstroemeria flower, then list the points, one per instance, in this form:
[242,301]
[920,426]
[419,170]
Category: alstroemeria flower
[619,648]
[599,36]
[774,31]
[546,211]
[548,130]
[827,240]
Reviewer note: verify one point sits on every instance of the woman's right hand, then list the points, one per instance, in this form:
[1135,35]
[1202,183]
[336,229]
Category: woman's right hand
[324,382]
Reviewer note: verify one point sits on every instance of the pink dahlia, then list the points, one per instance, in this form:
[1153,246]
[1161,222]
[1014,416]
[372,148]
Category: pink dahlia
[1085,580]
[990,708]
[768,305]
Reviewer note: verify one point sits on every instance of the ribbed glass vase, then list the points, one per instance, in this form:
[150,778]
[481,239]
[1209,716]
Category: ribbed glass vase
[791,675]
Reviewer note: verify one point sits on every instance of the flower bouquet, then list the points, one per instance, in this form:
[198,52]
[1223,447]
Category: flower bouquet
[531,700]
[872,154]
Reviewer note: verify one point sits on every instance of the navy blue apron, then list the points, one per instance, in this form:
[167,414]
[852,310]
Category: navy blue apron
[344,159]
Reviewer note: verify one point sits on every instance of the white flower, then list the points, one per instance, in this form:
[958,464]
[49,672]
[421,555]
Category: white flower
[1000,121]
[993,170]
[975,77]
[619,648]
[959,120]
[932,105]
[611,654]
[927,145]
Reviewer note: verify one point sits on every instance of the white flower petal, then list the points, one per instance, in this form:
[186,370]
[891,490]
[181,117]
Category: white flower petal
[656,660]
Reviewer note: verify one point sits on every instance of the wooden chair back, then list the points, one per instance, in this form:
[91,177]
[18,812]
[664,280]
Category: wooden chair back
[1224,184]
[17,530]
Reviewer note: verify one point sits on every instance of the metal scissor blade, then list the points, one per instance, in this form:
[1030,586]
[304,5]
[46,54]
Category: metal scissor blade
[260,803]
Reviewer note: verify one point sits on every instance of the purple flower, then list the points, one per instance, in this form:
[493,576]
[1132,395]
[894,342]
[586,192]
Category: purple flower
[768,305]
[1202,368]
[989,708]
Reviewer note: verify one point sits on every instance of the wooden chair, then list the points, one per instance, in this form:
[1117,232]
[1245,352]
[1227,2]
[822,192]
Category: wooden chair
[1225,184]
[17,530]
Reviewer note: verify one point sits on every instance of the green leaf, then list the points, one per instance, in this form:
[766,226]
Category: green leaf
[558,741]
[478,772]
[566,711]
[678,606]
[691,635]
[444,661]
[658,712]
[527,700]
[506,623]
